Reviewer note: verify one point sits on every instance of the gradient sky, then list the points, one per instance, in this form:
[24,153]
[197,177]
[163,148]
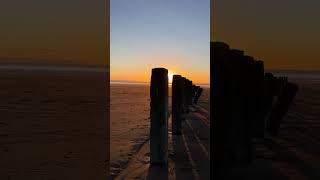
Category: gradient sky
[151,33]
[57,31]
[285,34]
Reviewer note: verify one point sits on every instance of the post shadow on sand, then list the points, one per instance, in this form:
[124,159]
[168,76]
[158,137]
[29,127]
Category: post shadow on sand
[282,153]
[184,169]
[182,164]
[157,172]
[243,96]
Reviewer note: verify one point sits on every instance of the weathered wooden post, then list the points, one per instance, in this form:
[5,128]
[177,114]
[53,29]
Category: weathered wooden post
[220,113]
[268,97]
[159,117]
[282,106]
[259,121]
[177,104]
[240,91]
[194,90]
[185,95]
[277,89]
[196,98]
[189,92]
[249,98]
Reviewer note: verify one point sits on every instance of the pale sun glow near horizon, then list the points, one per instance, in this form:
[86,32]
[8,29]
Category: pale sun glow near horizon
[170,76]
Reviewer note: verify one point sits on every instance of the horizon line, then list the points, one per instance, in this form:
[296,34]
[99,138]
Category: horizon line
[141,82]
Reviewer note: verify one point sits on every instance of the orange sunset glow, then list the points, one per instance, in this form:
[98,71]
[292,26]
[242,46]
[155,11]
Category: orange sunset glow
[170,76]
[47,32]
[144,75]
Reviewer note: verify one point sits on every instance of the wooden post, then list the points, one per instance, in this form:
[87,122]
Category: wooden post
[199,92]
[282,106]
[220,112]
[268,99]
[177,104]
[185,95]
[159,117]
[240,119]
[259,121]
[249,99]
[189,87]
[194,90]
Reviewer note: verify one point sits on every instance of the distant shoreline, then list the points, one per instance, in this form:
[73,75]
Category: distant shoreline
[120,82]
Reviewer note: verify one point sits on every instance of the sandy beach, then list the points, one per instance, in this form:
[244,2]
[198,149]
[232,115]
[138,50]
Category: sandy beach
[188,154]
[130,122]
[53,125]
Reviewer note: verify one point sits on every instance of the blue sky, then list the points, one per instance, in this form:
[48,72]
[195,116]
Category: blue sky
[169,33]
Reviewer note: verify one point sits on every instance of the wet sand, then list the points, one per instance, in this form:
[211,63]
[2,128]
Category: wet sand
[53,125]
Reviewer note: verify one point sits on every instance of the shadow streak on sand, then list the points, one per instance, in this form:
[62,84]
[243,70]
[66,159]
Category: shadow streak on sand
[288,155]
[191,150]
[189,153]
[182,164]
[158,173]
[189,157]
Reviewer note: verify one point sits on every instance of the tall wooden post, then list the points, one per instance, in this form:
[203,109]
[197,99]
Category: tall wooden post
[177,104]
[194,90]
[185,95]
[281,107]
[196,98]
[259,124]
[220,113]
[190,92]
[159,117]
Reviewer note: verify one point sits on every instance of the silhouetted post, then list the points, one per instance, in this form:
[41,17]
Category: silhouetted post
[186,95]
[184,109]
[159,116]
[189,92]
[259,124]
[240,102]
[249,91]
[177,104]
[220,110]
[282,106]
[277,89]
[199,92]
[194,90]
[268,96]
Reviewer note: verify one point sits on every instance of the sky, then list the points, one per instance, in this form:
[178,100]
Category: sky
[174,34]
[54,32]
[284,34]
